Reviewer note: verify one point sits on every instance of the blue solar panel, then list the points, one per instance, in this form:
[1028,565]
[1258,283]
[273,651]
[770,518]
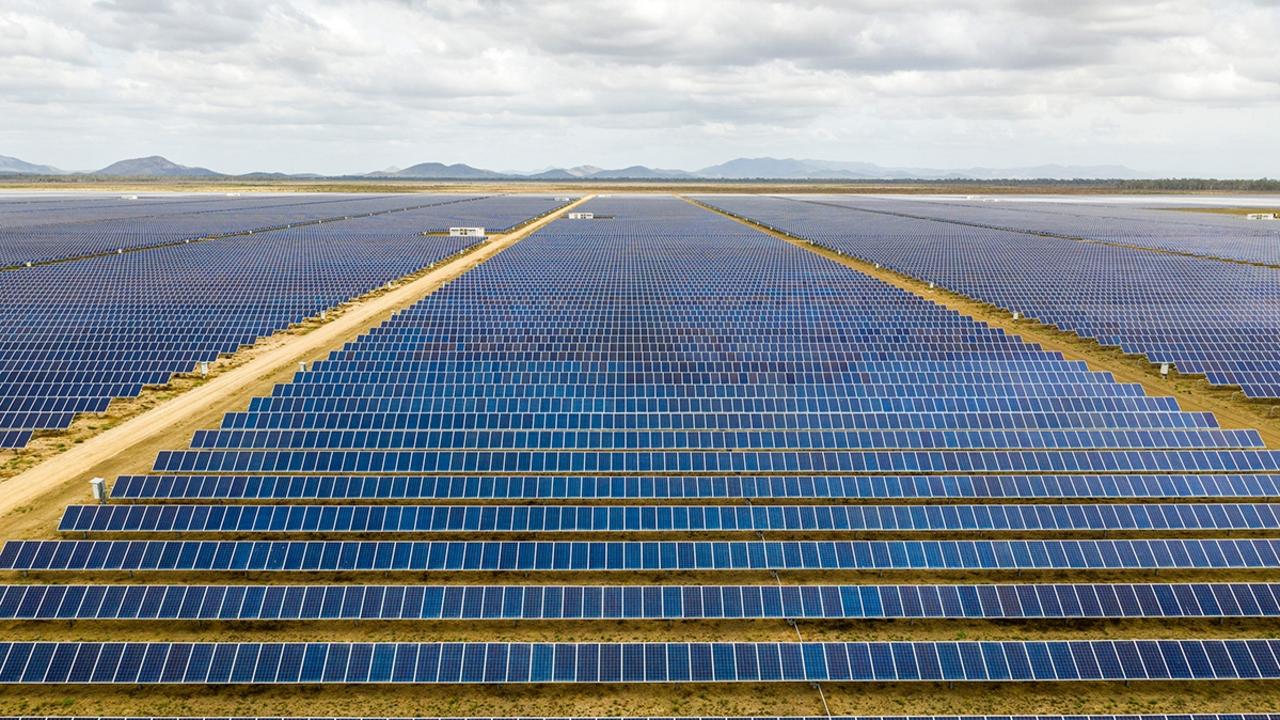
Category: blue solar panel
[1221,319]
[666,518]
[519,663]
[572,556]
[638,602]
[107,325]
[663,354]
[231,487]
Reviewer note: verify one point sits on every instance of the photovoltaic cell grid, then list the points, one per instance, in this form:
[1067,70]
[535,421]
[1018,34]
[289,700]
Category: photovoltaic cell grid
[675,346]
[620,555]
[299,488]
[491,518]
[79,333]
[703,314]
[674,662]
[60,229]
[1230,237]
[1203,315]
[636,602]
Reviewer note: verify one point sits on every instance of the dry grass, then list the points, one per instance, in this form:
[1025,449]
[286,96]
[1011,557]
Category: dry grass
[1219,210]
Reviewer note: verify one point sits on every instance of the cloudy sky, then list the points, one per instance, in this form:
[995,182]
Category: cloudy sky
[1181,87]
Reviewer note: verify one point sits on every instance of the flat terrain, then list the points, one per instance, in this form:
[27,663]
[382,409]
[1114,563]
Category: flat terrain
[359,185]
[32,501]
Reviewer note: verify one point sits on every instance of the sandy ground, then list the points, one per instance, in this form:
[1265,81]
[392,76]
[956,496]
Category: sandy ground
[649,700]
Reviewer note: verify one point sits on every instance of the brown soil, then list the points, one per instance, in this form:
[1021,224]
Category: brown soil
[748,699]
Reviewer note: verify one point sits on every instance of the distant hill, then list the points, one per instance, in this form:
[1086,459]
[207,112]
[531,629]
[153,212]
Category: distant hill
[22,167]
[591,172]
[438,171]
[153,166]
[262,175]
[758,168]
[639,172]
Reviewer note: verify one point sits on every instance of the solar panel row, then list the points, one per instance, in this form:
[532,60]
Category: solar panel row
[503,663]
[425,555]
[724,461]
[566,487]
[666,518]
[558,602]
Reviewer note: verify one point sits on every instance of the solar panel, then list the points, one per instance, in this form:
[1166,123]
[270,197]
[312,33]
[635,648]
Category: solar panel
[572,556]
[599,370]
[232,487]
[517,663]
[96,323]
[666,518]
[635,602]
[1185,307]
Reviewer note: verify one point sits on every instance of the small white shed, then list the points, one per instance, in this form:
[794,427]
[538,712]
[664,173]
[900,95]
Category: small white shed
[582,216]
[466,232]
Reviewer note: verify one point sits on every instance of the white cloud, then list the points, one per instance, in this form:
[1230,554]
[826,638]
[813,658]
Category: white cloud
[314,85]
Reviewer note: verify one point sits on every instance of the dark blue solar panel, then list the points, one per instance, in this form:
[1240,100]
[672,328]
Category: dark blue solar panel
[287,555]
[664,518]
[642,602]
[408,487]
[78,332]
[476,662]
[1220,319]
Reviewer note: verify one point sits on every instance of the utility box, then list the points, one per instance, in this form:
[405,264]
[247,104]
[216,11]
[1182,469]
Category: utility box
[99,487]
[582,216]
[466,232]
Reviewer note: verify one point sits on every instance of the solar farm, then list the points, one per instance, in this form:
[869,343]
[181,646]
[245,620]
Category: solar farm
[677,460]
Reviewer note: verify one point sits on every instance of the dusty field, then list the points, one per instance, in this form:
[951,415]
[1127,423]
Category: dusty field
[359,185]
[1227,211]
[640,700]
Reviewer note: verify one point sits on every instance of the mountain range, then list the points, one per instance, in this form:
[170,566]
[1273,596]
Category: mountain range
[12,165]
[763,168]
